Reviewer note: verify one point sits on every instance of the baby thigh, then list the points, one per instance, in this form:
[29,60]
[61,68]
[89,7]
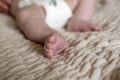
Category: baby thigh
[28,19]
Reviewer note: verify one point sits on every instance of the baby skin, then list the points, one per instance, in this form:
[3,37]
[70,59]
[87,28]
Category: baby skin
[31,21]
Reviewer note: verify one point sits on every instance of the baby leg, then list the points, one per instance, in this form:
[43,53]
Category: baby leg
[82,16]
[31,22]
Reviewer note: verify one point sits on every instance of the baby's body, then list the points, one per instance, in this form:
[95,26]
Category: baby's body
[31,21]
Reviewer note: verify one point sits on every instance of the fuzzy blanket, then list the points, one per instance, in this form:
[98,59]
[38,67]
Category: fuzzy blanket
[91,55]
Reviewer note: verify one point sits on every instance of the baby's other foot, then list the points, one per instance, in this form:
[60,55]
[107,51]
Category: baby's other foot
[80,25]
[54,45]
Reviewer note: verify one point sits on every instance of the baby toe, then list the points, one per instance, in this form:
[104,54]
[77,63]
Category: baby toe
[96,28]
[49,46]
[49,53]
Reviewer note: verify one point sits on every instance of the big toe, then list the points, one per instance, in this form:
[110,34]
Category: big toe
[52,39]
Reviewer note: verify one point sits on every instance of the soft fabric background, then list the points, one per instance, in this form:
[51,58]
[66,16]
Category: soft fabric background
[91,55]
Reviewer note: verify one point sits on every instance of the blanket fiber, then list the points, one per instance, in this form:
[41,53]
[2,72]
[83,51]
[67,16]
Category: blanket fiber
[91,55]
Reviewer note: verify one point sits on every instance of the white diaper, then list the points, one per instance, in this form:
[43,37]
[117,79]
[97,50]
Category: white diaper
[56,15]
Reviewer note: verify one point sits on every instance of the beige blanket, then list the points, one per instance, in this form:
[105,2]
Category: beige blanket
[91,55]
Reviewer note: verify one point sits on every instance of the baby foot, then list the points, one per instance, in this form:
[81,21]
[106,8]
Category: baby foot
[79,25]
[54,45]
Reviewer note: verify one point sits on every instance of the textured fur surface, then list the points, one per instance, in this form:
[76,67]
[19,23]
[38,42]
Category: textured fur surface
[91,55]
